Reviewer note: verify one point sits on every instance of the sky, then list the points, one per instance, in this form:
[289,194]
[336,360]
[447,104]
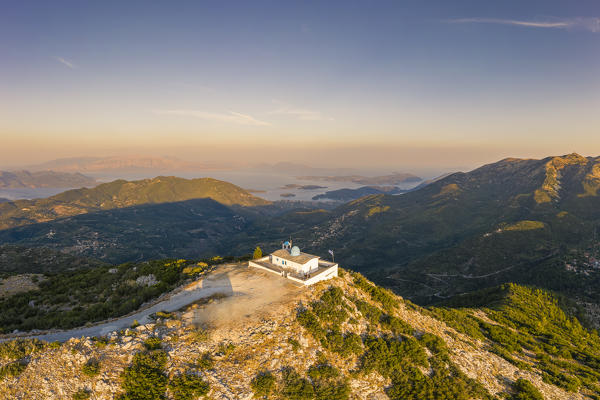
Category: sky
[390,84]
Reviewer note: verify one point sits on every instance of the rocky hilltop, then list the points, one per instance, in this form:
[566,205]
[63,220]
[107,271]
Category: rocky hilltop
[261,337]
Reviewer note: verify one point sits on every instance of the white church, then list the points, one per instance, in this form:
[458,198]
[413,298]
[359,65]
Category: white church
[289,262]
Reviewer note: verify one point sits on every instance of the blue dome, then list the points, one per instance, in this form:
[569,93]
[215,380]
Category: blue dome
[286,243]
[295,251]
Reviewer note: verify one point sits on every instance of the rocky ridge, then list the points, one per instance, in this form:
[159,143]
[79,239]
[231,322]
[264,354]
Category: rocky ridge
[268,337]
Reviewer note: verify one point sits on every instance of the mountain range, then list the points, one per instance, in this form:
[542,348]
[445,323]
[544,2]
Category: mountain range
[44,179]
[119,164]
[498,268]
[516,220]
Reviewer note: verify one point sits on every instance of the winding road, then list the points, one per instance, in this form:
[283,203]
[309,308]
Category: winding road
[216,282]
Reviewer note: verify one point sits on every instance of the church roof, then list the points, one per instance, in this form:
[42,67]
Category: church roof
[303,258]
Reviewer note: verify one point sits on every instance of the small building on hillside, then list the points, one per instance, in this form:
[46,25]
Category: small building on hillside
[291,263]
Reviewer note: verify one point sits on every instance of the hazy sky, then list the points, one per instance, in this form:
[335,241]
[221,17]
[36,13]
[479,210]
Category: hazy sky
[399,83]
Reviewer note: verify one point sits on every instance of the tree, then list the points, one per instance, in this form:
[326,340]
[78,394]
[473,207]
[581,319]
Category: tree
[257,253]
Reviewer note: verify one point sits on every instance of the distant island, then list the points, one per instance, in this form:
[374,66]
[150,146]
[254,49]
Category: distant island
[353,194]
[286,195]
[44,179]
[393,179]
[303,187]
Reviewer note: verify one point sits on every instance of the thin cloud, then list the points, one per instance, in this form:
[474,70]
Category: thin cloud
[231,116]
[587,24]
[300,113]
[65,62]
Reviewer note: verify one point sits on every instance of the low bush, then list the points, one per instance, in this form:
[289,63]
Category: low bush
[188,387]
[389,355]
[294,343]
[524,390]
[205,362]
[263,385]
[295,387]
[12,369]
[82,394]
[19,348]
[153,343]
[91,367]
[328,382]
[344,345]
[145,378]
[371,313]
[387,299]
[396,325]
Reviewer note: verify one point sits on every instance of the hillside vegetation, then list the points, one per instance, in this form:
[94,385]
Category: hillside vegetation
[121,194]
[342,339]
[526,221]
[23,260]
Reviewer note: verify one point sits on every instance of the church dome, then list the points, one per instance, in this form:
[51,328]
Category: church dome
[295,251]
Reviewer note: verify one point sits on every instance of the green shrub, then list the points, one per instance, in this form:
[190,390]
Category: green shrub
[435,344]
[263,385]
[311,323]
[91,367]
[205,362]
[188,387]
[524,390]
[295,344]
[396,325]
[387,299]
[328,382]
[81,394]
[145,378]
[153,343]
[226,348]
[345,345]
[371,313]
[329,308]
[19,348]
[295,387]
[389,355]
[164,314]
[12,369]
[446,383]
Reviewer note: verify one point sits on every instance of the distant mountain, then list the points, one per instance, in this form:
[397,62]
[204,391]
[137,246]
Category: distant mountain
[393,179]
[44,179]
[119,194]
[119,164]
[527,221]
